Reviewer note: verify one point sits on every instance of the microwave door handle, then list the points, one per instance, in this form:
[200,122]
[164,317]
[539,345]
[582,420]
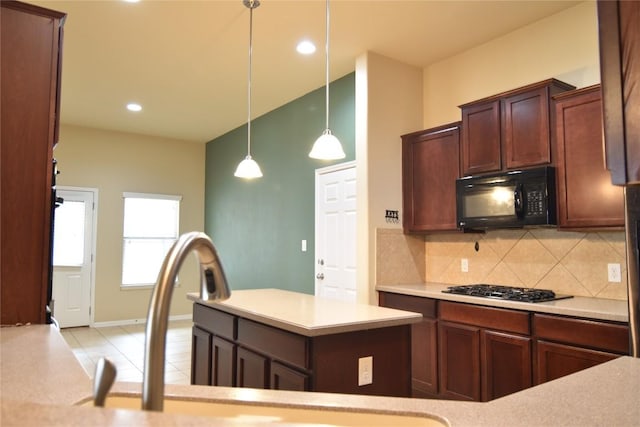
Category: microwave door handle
[518,201]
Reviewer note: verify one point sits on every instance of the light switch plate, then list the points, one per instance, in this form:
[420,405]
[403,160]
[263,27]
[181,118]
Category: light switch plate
[365,370]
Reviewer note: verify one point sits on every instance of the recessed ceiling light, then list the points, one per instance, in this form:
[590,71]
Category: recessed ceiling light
[131,1]
[306,47]
[132,106]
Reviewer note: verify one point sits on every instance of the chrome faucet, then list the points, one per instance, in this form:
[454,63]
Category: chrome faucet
[213,287]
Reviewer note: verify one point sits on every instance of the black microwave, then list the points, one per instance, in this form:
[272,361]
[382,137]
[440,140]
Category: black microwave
[512,199]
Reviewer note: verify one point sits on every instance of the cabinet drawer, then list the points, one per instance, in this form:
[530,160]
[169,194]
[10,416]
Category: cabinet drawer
[486,317]
[216,322]
[276,343]
[587,333]
[425,306]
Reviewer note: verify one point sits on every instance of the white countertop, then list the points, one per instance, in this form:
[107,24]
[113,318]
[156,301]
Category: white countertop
[589,308]
[40,380]
[308,315]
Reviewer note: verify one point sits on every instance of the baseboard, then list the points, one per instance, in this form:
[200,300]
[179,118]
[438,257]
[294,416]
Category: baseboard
[136,321]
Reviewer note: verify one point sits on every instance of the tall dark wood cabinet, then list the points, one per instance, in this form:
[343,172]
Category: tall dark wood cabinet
[31,47]
[430,167]
[586,197]
[510,130]
[619,32]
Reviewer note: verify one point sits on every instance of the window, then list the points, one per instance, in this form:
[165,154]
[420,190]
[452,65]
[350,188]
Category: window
[150,228]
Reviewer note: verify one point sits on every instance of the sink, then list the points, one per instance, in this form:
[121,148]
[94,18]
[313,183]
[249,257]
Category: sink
[266,415]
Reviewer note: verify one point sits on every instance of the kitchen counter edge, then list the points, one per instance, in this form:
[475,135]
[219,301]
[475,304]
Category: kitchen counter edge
[583,307]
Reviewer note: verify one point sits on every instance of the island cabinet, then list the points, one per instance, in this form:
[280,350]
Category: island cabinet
[31,39]
[510,130]
[230,350]
[566,345]
[586,196]
[619,35]
[430,167]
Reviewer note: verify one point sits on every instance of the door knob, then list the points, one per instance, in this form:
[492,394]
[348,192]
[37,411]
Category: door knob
[319,276]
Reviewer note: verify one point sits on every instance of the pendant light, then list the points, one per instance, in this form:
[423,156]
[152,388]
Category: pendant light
[248,168]
[327,146]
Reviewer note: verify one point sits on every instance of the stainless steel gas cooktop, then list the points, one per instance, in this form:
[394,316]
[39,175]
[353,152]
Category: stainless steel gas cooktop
[510,293]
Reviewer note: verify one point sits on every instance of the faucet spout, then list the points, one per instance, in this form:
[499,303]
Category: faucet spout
[213,286]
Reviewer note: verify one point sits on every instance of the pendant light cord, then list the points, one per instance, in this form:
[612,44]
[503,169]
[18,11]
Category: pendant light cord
[327,66]
[251,6]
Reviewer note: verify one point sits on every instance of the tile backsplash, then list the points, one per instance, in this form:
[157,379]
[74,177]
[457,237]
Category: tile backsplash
[566,262]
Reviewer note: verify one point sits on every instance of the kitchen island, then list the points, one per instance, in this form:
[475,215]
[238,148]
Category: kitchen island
[40,381]
[271,338]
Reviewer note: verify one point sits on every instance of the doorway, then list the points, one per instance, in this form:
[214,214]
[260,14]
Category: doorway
[73,260]
[335,232]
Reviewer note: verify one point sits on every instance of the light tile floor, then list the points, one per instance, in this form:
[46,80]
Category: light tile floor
[124,346]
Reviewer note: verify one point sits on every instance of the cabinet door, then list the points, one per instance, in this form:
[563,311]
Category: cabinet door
[252,369]
[459,361]
[619,34]
[430,167]
[506,364]
[424,358]
[223,362]
[526,129]
[558,360]
[284,378]
[200,357]
[481,138]
[586,197]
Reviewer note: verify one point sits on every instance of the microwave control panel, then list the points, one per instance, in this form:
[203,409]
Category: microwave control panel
[536,202]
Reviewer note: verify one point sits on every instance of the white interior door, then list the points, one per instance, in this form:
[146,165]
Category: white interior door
[336,232]
[72,258]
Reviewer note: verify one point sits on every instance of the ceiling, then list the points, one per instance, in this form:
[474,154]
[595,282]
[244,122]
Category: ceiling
[186,62]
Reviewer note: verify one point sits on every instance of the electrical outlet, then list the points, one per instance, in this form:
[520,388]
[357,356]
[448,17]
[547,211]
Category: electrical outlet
[464,265]
[365,370]
[614,273]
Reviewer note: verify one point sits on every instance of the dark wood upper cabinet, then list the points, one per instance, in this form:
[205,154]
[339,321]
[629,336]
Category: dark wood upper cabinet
[481,138]
[586,197]
[509,130]
[30,68]
[430,167]
[619,33]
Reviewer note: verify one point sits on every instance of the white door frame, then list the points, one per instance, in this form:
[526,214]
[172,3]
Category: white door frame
[318,172]
[94,220]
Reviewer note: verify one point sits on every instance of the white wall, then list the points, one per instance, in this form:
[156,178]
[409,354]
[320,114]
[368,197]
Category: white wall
[563,46]
[115,162]
[388,104]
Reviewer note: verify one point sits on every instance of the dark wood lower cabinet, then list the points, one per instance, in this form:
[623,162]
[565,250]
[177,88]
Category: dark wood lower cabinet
[252,369]
[557,360]
[459,360]
[506,364]
[229,350]
[285,378]
[484,353]
[424,359]
[201,357]
[223,362]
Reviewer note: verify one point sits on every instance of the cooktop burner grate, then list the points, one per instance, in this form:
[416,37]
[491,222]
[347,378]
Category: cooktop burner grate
[510,293]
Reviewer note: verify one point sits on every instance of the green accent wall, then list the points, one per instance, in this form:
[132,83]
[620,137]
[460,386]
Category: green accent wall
[258,225]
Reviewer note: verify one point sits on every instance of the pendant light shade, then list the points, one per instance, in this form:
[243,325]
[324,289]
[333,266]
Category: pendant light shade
[327,146]
[248,168]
